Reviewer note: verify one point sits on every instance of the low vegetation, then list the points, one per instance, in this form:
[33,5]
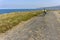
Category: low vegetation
[7,21]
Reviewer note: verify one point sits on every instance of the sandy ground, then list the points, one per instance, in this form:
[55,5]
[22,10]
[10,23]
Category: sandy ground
[38,28]
[57,14]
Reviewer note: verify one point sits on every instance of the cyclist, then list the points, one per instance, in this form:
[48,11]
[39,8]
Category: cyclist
[44,11]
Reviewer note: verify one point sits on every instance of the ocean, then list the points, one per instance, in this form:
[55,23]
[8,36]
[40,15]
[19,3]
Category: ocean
[2,11]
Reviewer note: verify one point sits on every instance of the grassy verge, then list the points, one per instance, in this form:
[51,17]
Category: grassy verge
[7,21]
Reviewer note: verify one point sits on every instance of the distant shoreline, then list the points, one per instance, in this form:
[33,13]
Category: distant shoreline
[3,11]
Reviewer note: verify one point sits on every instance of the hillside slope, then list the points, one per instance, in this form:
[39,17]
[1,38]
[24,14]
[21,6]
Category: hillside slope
[10,20]
[38,28]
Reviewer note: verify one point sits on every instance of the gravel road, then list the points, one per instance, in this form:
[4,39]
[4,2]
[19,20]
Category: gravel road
[39,28]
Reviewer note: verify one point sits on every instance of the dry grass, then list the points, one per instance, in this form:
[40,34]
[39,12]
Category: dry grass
[7,21]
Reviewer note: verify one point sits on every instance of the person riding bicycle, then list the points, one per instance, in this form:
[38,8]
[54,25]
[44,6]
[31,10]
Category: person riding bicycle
[44,11]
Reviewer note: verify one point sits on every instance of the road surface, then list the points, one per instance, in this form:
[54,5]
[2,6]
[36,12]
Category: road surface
[39,28]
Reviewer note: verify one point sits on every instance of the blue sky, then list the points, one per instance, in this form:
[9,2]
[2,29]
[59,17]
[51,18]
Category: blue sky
[21,4]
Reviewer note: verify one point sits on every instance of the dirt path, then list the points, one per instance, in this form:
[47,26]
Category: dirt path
[53,25]
[39,28]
